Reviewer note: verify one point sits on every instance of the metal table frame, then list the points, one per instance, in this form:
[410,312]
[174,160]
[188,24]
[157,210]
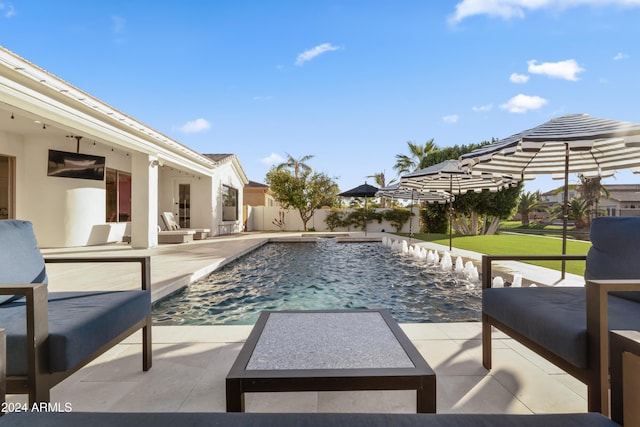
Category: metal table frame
[420,378]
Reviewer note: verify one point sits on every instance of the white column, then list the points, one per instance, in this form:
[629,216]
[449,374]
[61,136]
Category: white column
[144,201]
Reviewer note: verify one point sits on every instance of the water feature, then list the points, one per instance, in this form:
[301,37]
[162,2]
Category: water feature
[405,279]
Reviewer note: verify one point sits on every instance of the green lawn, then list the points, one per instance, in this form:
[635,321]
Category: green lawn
[516,244]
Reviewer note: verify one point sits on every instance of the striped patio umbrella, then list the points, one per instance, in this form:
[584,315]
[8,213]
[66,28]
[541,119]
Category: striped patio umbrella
[448,177]
[396,192]
[575,143]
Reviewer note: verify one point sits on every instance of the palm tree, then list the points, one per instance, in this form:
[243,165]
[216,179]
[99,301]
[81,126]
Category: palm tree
[296,164]
[380,180]
[577,211]
[528,203]
[417,158]
[591,190]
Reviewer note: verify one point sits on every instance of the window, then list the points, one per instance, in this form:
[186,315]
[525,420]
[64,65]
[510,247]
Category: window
[229,203]
[118,196]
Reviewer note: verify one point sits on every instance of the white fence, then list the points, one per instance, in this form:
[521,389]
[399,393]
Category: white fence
[265,218]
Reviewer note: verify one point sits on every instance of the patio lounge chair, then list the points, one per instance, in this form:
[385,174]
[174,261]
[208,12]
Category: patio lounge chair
[50,335]
[625,357]
[171,224]
[568,325]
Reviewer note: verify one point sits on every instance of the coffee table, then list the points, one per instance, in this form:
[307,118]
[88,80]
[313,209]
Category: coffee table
[330,350]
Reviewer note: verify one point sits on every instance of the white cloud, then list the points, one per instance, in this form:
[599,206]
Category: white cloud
[309,54]
[562,70]
[483,108]
[195,126]
[451,118]
[272,159]
[619,56]
[7,9]
[523,103]
[508,9]
[518,78]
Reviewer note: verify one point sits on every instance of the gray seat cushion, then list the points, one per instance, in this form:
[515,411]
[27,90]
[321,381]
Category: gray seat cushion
[555,318]
[79,324]
[21,261]
[72,419]
[614,252]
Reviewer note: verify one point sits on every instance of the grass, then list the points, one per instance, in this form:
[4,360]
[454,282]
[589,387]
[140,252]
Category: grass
[516,244]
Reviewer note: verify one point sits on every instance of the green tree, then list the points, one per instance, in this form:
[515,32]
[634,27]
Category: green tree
[306,192]
[591,190]
[527,203]
[416,159]
[577,211]
[473,212]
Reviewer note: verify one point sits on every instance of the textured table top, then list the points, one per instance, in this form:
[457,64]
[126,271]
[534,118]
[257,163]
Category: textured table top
[343,340]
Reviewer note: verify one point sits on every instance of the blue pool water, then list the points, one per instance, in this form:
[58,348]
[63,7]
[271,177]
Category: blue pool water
[323,275]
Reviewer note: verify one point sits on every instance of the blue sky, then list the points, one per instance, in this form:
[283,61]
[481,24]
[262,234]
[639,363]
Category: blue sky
[349,82]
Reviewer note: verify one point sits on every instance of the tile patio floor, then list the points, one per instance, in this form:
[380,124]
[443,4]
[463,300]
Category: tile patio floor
[190,363]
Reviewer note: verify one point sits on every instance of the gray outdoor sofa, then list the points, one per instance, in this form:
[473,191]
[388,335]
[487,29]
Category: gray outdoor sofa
[50,335]
[625,351]
[569,325]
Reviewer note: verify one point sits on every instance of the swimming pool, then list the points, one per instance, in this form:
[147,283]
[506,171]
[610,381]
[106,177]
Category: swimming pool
[319,276]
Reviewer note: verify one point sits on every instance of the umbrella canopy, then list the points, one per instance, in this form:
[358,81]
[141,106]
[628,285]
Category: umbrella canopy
[396,192]
[576,143]
[595,147]
[448,177]
[364,190]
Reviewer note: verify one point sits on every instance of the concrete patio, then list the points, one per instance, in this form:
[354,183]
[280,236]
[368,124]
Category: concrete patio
[191,362]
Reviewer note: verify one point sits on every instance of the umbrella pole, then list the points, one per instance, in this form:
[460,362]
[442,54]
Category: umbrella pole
[364,216]
[410,217]
[450,208]
[565,208]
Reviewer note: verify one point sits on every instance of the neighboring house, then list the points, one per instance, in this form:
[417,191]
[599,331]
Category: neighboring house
[556,196]
[623,200]
[257,194]
[85,173]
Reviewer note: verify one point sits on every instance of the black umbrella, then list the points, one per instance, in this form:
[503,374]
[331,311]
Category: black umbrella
[365,190]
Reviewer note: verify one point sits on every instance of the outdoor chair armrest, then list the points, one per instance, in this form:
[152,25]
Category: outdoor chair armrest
[37,322]
[145,264]
[488,259]
[621,342]
[597,292]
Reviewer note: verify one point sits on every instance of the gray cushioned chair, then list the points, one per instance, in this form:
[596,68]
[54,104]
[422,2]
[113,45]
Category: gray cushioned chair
[52,335]
[569,325]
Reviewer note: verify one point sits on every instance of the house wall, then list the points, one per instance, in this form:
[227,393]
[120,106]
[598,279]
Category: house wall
[226,174]
[64,211]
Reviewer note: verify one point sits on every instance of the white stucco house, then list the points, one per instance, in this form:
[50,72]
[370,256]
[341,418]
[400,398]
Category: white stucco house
[85,173]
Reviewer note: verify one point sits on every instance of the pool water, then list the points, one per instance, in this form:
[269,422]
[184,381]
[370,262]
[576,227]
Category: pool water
[319,276]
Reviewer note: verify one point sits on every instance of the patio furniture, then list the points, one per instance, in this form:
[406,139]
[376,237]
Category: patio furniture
[50,335]
[625,347]
[176,236]
[335,350]
[171,224]
[569,325]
